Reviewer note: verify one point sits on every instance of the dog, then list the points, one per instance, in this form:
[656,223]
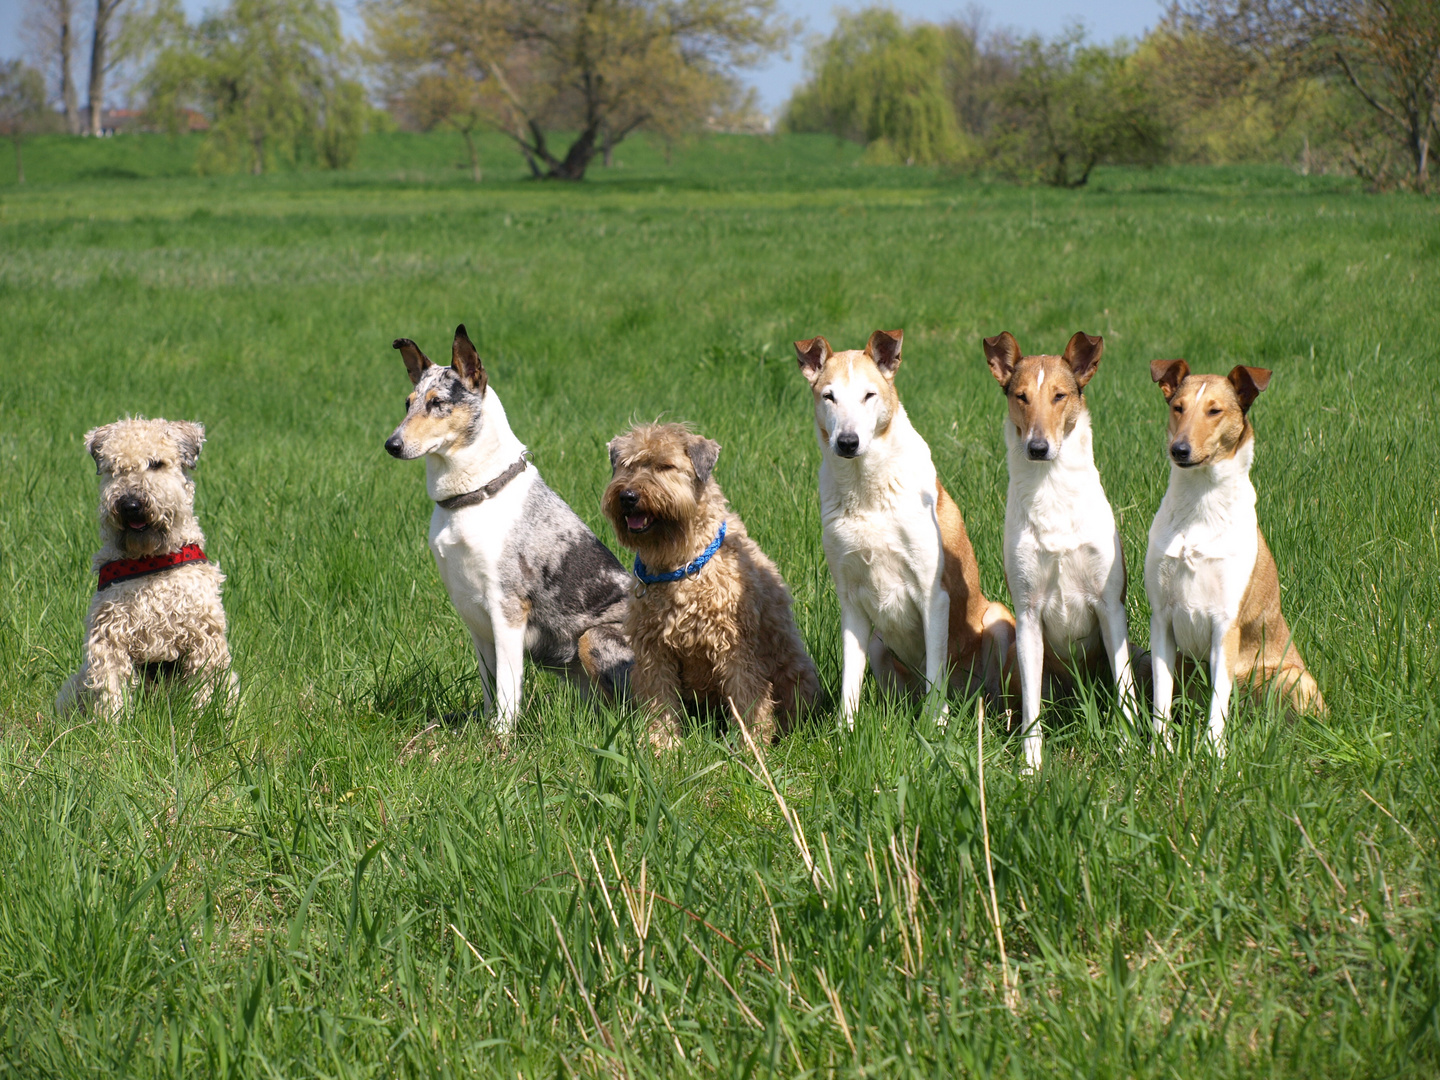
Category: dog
[1214,592]
[157,610]
[1063,560]
[710,622]
[908,583]
[524,572]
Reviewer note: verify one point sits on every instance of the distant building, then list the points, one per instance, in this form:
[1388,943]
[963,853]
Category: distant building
[128,121]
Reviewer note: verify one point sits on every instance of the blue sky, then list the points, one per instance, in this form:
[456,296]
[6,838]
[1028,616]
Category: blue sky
[1103,21]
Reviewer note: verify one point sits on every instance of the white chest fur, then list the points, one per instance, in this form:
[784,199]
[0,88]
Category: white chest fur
[882,535]
[469,546]
[1202,550]
[1061,546]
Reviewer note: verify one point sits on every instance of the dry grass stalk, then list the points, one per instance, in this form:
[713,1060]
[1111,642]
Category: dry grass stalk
[1012,994]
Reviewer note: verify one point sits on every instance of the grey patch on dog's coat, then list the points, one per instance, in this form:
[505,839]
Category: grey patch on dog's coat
[573,584]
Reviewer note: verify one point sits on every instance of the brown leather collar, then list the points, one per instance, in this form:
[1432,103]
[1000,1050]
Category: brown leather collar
[489,491]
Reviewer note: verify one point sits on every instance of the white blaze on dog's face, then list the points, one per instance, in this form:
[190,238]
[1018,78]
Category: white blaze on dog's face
[444,411]
[145,486]
[1045,393]
[1209,415]
[854,390]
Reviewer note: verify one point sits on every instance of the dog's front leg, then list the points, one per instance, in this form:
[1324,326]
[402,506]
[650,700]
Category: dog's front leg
[485,657]
[854,639]
[937,653]
[1030,655]
[655,683]
[1116,632]
[1162,668]
[509,675]
[1221,683]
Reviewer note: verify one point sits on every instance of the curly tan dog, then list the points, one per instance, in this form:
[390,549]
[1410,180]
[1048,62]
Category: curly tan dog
[711,622]
[157,610]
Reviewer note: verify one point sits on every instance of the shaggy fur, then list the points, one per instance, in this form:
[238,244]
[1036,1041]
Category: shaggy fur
[725,634]
[170,622]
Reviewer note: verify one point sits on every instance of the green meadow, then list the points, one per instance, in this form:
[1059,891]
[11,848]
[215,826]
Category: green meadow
[338,878]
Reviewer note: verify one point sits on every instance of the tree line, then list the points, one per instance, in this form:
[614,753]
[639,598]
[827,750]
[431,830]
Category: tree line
[1348,85]
[1325,84]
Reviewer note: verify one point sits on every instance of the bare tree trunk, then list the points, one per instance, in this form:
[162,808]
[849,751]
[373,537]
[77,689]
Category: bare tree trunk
[68,96]
[474,156]
[607,146]
[257,147]
[99,63]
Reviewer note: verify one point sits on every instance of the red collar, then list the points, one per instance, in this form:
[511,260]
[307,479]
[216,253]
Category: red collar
[125,569]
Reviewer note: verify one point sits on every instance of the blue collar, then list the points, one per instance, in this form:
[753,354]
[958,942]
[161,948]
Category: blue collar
[690,569]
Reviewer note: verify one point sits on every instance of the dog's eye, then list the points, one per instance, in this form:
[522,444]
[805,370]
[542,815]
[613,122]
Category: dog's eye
[828,395]
[1022,399]
[1178,409]
[663,467]
[870,396]
[157,464]
[1214,412]
[1059,398]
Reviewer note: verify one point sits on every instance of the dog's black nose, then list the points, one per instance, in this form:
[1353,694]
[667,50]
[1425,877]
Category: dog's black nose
[629,500]
[130,506]
[1180,452]
[847,444]
[1038,449]
[394,446]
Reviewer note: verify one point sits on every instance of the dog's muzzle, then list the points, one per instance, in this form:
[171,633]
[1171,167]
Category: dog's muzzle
[394,445]
[132,512]
[1182,454]
[847,444]
[1038,449]
[635,520]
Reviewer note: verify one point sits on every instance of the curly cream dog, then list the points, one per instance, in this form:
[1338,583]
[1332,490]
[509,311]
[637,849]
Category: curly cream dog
[157,609]
[711,624]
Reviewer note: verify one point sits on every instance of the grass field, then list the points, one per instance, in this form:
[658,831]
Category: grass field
[330,881]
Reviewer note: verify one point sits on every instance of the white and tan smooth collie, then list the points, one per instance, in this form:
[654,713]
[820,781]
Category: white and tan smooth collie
[1063,560]
[908,583]
[1214,592]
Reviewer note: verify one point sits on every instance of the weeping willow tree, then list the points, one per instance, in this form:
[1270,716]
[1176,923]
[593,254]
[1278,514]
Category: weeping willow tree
[270,75]
[877,81]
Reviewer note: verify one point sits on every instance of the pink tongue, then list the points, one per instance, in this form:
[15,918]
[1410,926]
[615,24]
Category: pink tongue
[637,521]
[137,525]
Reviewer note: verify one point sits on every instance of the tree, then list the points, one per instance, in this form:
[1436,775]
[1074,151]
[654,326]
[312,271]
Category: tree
[877,81]
[102,57]
[50,29]
[1073,106]
[271,76]
[22,106]
[601,68]
[1387,52]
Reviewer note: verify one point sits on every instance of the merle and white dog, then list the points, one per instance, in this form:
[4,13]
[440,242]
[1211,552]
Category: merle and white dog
[524,572]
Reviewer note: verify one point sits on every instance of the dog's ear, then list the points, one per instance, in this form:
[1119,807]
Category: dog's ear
[466,361]
[1002,353]
[884,348]
[703,455]
[95,443]
[1169,374]
[812,354]
[415,361]
[1248,382]
[1083,356]
[189,437]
